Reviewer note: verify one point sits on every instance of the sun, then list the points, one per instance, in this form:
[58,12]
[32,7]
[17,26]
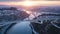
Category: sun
[27,3]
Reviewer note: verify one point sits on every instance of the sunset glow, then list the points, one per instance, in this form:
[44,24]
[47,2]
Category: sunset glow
[29,3]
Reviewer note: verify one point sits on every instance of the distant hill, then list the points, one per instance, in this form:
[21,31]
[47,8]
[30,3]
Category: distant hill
[53,9]
[11,14]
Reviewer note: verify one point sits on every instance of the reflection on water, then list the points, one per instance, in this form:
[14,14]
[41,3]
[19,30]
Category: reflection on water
[21,28]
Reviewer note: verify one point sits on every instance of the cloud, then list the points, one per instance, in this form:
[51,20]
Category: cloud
[9,0]
[46,0]
[23,0]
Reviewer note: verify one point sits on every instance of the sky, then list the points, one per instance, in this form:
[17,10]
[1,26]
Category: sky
[31,2]
[23,0]
[10,0]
